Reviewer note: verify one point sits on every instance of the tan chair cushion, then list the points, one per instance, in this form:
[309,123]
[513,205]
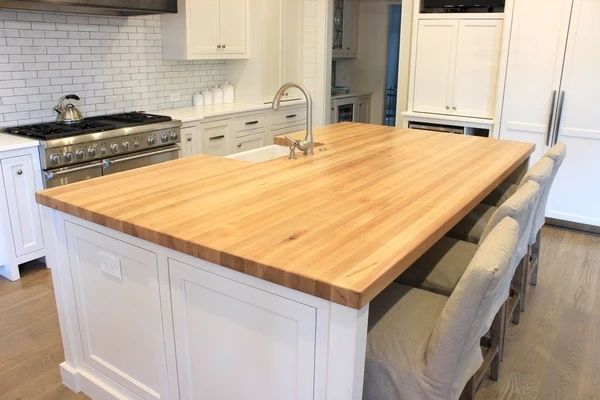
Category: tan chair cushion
[440,269]
[500,194]
[401,320]
[471,227]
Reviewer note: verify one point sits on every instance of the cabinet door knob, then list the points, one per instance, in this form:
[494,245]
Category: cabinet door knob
[223,46]
[447,107]
[454,108]
[218,46]
[19,172]
[189,139]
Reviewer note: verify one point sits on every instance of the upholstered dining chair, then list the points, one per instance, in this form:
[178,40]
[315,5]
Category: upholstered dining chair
[557,154]
[441,267]
[425,346]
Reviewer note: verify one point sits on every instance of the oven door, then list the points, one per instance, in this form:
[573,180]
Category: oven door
[66,175]
[124,163]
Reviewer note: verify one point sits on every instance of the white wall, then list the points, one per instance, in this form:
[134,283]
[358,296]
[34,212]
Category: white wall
[113,63]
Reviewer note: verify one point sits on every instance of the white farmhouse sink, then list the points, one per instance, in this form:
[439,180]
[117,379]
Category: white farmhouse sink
[261,154]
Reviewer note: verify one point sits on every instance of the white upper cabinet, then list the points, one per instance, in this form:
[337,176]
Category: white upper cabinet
[345,28]
[456,67]
[434,69]
[207,29]
[476,72]
[537,45]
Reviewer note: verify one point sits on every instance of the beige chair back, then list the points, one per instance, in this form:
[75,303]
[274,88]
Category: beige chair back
[454,353]
[520,207]
[541,173]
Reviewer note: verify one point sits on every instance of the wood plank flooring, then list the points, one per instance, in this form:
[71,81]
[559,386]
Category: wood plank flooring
[554,353]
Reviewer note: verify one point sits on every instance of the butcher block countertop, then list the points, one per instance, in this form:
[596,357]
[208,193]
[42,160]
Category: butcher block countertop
[340,225]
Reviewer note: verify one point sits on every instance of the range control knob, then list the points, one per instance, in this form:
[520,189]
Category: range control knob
[68,156]
[92,151]
[79,154]
[151,140]
[136,143]
[126,145]
[54,158]
[102,149]
[164,137]
[173,135]
[114,147]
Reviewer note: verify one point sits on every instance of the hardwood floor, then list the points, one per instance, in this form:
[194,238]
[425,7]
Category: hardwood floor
[554,353]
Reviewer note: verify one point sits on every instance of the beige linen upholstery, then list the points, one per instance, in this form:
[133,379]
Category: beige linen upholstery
[425,346]
[442,266]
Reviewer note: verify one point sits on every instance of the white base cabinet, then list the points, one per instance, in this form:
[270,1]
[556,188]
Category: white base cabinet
[21,230]
[140,321]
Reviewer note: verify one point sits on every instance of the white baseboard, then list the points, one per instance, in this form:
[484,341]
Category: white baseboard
[80,380]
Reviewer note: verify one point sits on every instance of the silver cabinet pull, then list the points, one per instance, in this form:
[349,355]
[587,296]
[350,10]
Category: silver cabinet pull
[551,118]
[559,108]
[20,172]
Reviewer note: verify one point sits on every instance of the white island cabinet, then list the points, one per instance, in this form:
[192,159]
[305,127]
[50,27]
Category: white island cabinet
[141,321]
[21,237]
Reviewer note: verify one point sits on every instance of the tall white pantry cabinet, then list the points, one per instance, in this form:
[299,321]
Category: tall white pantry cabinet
[552,94]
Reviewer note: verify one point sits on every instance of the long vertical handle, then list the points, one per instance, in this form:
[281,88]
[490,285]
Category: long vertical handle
[561,103]
[551,118]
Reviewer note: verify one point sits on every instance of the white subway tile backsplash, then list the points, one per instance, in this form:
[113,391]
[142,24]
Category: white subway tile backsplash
[113,63]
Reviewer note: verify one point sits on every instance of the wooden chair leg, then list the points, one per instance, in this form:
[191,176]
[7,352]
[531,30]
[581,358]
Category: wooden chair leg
[515,300]
[497,334]
[523,282]
[535,260]
[468,392]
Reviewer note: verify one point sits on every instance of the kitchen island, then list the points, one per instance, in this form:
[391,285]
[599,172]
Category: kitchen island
[213,278]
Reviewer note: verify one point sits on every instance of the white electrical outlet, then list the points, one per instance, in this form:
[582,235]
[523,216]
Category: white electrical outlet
[175,97]
[110,264]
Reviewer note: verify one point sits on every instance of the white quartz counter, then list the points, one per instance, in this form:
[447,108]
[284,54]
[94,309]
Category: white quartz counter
[12,142]
[189,114]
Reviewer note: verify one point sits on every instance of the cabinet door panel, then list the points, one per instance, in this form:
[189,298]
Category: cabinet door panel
[434,68]
[203,26]
[118,310]
[576,190]
[188,141]
[538,37]
[350,38]
[232,21]
[234,341]
[249,142]
[476,76]
[19,184]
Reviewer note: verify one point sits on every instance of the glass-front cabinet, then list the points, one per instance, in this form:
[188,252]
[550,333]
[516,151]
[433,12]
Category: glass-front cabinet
[345,28]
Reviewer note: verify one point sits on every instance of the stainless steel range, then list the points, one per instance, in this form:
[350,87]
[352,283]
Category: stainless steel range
[102,145]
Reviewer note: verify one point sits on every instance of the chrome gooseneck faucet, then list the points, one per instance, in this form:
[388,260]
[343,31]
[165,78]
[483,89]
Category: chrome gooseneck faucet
[307,144]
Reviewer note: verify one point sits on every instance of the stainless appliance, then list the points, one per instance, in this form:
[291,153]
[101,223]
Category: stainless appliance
[426,126]
[105,7]
[102,145]
[455,6]
[68,114]
[342,110]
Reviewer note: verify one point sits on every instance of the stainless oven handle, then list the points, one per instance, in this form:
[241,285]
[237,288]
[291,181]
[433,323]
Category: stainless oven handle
[136,156]
[551,118]
[52,174]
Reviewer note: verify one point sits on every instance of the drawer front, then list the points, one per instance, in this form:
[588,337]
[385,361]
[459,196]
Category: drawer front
[215,138]
[249,142]
[288,117]
[247,123]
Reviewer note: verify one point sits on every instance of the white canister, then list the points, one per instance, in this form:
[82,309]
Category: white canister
[228,93]
[198,99]
[217,93]
[208,97]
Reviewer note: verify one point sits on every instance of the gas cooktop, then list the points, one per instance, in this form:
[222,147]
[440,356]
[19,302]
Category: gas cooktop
[53,130]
